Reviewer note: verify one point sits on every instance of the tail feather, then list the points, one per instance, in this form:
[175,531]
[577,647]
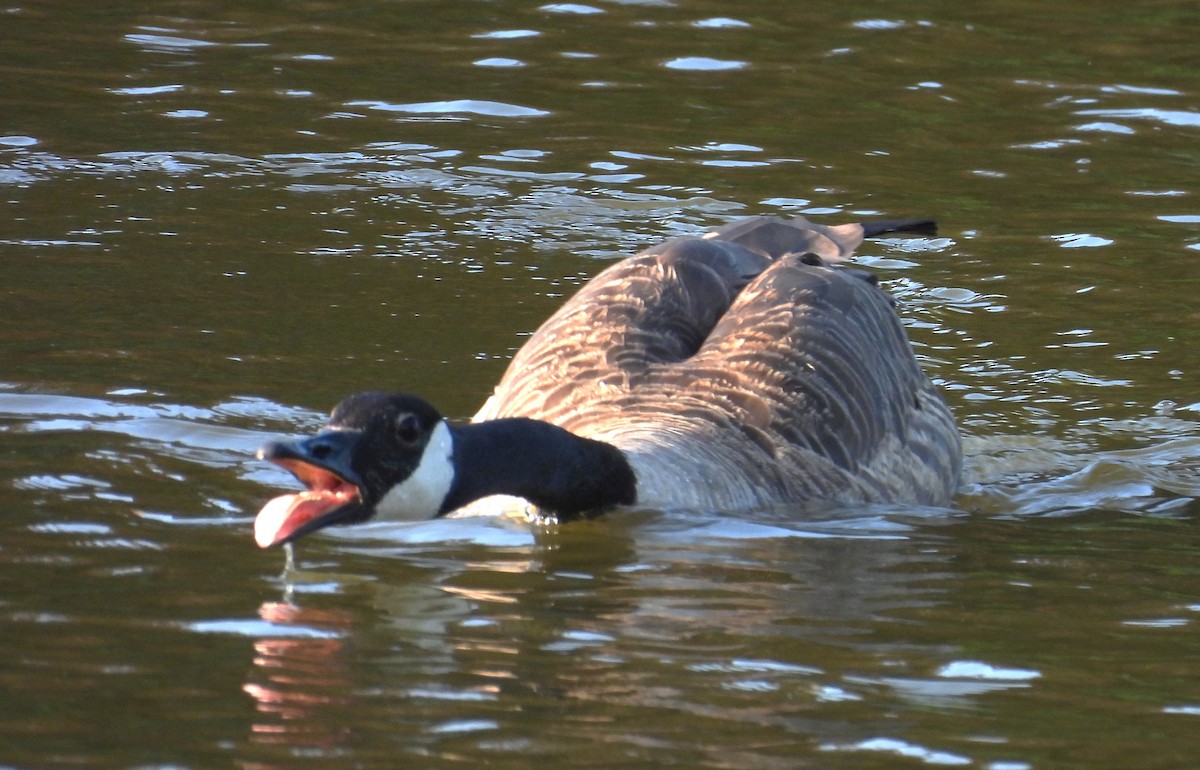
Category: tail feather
[773,237]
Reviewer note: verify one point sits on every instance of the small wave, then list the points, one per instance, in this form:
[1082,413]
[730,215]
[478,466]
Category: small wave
[455,107]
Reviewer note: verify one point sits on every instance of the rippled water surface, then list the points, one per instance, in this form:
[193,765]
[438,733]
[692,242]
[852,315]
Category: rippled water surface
[222,217]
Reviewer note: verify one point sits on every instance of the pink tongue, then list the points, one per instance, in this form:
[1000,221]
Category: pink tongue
[285,514]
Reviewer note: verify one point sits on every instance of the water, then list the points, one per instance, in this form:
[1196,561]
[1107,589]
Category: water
[222,218]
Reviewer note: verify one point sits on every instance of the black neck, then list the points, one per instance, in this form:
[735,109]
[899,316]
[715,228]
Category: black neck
[550,467]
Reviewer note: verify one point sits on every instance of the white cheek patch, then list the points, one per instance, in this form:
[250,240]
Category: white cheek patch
[420,496]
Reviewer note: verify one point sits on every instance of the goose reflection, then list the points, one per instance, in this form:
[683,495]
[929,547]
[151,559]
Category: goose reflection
[460,648]
[299,679]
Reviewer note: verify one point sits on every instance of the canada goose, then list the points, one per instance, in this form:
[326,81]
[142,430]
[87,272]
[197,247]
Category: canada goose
[734,370]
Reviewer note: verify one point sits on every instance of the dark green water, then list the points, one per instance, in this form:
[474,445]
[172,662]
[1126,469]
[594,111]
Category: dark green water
[221,217]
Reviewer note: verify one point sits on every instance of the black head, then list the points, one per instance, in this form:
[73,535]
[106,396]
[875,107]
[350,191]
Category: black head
[367,457]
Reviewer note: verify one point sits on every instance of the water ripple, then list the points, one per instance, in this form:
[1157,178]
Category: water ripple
[704,64]
[455,107]
[1166,117]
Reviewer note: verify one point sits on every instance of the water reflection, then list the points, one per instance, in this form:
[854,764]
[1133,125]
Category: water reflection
[298,679]
[472,647]
[456,107]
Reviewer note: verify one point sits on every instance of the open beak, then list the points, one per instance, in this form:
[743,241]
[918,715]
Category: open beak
[334,494]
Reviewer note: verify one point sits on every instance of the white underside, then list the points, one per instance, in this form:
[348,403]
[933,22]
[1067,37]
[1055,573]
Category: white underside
[499,505]
[420,496]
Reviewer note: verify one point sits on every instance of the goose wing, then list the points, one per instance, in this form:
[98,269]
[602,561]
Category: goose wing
[657,307]
[813,369]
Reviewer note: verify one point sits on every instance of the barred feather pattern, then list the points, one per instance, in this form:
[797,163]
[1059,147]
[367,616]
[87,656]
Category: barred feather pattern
[741,369]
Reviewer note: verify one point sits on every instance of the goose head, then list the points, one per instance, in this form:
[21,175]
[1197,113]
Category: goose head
[383,454]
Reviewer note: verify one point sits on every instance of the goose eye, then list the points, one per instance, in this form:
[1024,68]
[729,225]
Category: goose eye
[408,429]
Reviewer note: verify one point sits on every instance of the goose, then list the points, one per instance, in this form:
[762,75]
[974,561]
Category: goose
[742,368]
